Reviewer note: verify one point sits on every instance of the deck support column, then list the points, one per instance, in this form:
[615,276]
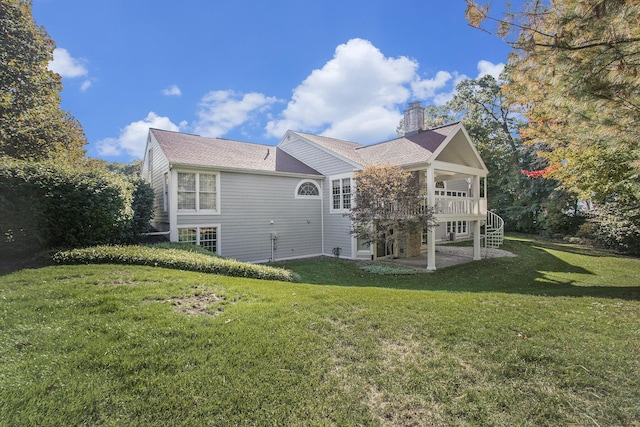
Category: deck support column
[431,235]
[476,240]
[476,223]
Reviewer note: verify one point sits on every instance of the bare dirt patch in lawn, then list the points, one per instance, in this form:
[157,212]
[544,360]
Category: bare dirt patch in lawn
[200,303]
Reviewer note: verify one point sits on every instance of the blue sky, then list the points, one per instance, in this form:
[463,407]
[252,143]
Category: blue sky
[249,70]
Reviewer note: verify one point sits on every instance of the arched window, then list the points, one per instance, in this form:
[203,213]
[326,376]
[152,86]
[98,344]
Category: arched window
[307,189]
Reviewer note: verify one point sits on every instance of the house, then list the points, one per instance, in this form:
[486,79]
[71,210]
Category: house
[263,203]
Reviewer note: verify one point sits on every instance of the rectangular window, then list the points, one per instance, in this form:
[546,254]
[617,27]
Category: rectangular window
[207,191]
[188,235]
[363,245]
[341,194]
[335,188]
[197,191]
[187,191]
[458,227]
[207,237]
[346,193]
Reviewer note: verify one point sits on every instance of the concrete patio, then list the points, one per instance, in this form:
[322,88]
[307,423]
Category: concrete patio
[447,256]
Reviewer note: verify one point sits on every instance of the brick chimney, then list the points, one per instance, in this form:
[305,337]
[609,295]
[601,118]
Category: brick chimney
[413,119]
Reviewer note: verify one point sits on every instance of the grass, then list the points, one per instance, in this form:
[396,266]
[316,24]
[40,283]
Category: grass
[551,337]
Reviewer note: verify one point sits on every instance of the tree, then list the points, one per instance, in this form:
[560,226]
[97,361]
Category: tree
[576,78]
[388,204]
[526,204]
[32,125]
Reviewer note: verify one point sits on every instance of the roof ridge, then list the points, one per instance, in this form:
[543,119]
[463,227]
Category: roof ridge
[328,137]
[213,137]
[175,131]
[447,125]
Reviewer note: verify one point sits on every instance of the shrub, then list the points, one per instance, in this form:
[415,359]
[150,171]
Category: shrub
[171,258]
[387,269]
[142,207]
[47,204]
[616,225]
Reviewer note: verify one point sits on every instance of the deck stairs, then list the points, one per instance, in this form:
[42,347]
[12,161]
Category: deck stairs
[493,231]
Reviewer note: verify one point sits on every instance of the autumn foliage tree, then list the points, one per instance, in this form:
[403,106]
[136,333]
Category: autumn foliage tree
[576,78]
[387,203]
[32,125]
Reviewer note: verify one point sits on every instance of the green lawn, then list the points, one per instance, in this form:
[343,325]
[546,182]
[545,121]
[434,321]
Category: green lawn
[551,337]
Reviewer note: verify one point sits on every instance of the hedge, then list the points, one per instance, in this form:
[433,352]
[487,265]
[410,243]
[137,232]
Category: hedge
[50,204]
[171,258]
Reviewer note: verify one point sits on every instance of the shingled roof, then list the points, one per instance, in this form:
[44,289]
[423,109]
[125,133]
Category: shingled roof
[187,149]
[404,150]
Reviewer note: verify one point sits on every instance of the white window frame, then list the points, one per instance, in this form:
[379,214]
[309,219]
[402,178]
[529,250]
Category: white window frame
[310,181]
[198,228]
[461,227]
[197,209]
[341,178]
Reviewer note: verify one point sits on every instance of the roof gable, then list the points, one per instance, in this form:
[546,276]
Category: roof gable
[458,149]
[194,150]
[344,149]
[408,149]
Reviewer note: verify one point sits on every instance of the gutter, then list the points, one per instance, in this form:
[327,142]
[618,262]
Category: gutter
[156,233]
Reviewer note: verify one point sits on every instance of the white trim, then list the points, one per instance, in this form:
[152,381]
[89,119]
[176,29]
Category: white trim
[304,181]
[204,168]
[460,169]
[218,228]
[340,177]
[197,210]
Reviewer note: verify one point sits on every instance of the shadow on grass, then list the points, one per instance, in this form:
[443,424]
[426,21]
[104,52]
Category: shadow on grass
[540,268]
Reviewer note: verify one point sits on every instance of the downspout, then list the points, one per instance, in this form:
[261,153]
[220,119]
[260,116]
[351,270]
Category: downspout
[322,216]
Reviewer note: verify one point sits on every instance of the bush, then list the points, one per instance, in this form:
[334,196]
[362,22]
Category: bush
[171,258]
[50,204]
[616,225]
[142,207]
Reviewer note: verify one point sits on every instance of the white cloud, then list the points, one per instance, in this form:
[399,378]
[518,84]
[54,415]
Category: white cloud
[442,98]
[133,137]
[67,66]
[222,110]
[85,85]
[486,67]
[355,95]
[172,90]
[427,88]
[372,124]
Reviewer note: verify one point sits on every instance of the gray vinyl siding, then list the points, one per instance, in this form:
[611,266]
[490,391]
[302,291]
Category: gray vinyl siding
[337,228]
[155,176]
[458,185]
[315,157]
[248,204]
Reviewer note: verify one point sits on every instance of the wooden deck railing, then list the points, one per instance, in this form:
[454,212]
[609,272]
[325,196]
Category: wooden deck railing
[450,206]
[460,206]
